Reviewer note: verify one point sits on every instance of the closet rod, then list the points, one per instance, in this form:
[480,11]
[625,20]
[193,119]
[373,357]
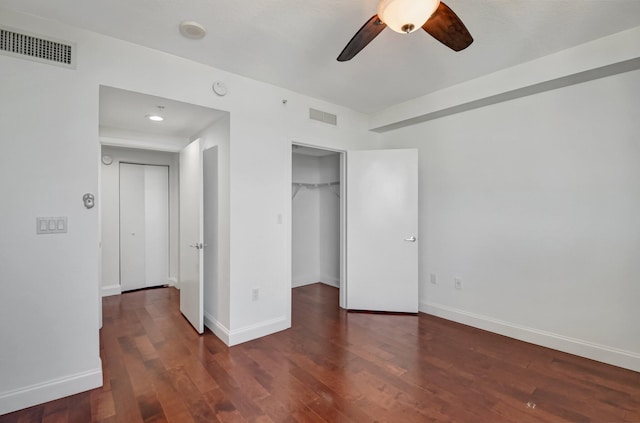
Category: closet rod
[309,185]
[299,185]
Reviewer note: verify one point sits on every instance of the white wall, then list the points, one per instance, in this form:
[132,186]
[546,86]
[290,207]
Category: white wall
[49,159]
[110,209]
[49,294]
[535,204]
[260,168]
[217,289]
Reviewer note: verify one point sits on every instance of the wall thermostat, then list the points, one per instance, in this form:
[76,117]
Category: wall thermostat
[89,200]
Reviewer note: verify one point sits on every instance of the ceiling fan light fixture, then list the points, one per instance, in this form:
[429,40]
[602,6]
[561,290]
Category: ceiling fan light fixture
[405,16]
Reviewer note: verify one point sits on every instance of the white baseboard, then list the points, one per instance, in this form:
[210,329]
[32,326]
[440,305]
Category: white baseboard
[247,333]
[109,290]
[617,357]
[325,280]
[296,283]
[334,282]
[116,289]
[216,327]
[51,390]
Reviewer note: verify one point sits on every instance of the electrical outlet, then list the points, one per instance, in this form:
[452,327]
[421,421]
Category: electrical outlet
[433,279]
[457,283]
[255,294]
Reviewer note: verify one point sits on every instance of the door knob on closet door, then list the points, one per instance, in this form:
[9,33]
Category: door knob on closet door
[411,239]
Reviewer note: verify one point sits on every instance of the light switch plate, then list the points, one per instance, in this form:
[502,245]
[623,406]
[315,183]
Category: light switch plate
[51,225]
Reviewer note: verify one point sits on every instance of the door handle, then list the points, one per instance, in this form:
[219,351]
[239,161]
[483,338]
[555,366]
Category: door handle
[411,239]
[198,246]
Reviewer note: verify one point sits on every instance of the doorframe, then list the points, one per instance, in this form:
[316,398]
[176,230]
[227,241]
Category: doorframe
[343,214]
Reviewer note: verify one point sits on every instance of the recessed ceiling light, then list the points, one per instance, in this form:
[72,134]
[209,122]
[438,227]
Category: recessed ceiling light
[156,117]
[192,30]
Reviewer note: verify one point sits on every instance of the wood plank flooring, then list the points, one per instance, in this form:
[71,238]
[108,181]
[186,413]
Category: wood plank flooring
[333,366]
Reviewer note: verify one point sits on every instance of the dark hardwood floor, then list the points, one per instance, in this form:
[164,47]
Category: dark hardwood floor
[333,366]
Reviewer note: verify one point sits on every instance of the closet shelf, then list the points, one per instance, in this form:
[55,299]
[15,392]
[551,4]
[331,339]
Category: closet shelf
[309,185]
[299,185]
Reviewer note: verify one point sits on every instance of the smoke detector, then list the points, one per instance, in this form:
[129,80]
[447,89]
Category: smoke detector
[192,30]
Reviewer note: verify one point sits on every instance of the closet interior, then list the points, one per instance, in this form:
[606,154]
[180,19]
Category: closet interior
[315,197]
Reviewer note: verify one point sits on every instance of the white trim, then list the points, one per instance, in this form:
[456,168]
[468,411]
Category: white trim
[610,355]
[328,280]
[28,396]
[297,283]
[258,330]
[343,229]
[173,282]
[109,290]
[217,328]
[247,333]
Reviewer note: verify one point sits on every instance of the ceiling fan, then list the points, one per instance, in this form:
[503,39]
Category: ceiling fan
[406,16]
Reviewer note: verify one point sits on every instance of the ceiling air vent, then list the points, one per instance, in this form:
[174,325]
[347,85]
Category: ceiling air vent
[36,48]
[321,116]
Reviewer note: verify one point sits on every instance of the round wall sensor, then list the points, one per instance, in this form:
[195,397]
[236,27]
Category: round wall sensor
[192,30]
[107,160]
[220,88]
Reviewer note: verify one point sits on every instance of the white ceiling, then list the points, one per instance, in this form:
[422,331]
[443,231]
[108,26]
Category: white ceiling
[294,44]
[127,110]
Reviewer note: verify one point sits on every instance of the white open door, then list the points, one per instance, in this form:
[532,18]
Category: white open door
[382,230]
[191,235]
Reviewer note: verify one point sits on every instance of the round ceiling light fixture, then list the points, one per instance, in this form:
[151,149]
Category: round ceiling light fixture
[156,117]
[192,30]
[405,16]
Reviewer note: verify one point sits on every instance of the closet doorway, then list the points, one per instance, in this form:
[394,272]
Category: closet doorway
[316,217]
[144,225]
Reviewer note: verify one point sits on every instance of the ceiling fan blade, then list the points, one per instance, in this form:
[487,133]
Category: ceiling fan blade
[364,36]
[445,26]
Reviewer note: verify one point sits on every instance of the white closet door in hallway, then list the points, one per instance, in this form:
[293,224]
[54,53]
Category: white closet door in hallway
[144,226]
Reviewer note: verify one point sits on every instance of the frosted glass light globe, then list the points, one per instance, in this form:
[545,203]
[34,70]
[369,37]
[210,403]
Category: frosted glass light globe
[405,16]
